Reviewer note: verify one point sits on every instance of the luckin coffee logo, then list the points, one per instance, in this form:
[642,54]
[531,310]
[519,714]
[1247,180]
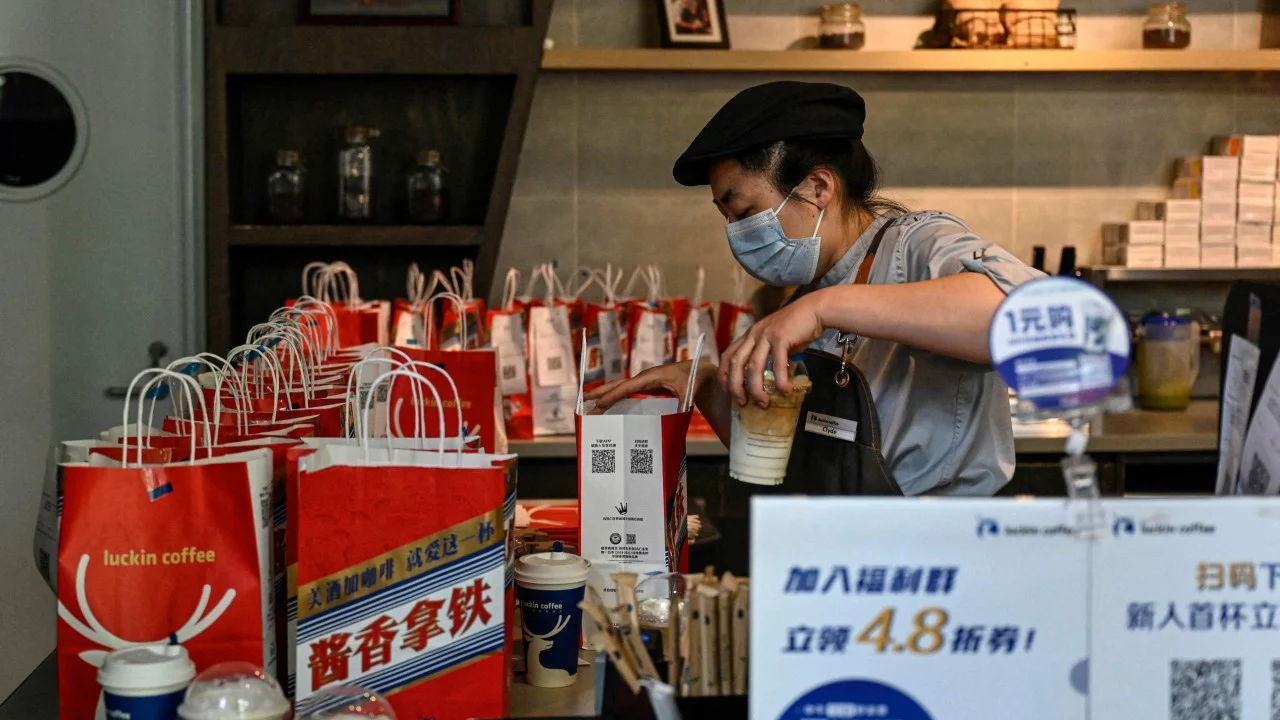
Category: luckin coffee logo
[988,526]
[621,508]
[1124,525]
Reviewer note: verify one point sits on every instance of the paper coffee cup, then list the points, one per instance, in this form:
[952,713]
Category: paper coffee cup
[145,682]
[234,691]
[549,587]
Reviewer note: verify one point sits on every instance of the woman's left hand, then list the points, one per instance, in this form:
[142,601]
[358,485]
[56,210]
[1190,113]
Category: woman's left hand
[742,365]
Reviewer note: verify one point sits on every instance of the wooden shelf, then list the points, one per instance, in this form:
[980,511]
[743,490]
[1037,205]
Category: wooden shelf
[1103,274]
[371,50]
[355,235]
[657,60]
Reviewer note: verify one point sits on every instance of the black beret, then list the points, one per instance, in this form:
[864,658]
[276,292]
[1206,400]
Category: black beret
[765,114]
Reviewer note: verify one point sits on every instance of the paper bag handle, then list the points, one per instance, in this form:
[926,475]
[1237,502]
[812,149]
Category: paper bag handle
[462,315]
[188,383]
[413,377]
[263,352]
[352,402]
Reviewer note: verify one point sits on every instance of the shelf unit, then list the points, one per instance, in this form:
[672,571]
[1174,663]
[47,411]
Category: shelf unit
[1104,274]
[273,81]
[584,59]
[355,235]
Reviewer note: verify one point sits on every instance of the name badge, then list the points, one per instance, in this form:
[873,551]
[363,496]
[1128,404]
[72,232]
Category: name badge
[830,426]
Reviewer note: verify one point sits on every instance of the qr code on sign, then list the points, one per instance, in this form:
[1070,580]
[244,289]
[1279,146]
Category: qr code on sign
[642,461]
[1258,478]
[602,461]
[1202,689]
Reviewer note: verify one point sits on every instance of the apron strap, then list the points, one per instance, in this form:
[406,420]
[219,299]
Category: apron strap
[864,268]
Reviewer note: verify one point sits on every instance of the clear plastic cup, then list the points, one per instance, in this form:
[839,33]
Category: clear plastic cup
[235,691]
[760,438]
[348,702]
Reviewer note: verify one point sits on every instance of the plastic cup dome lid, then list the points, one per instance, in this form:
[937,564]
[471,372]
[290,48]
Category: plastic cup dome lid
[234,691]
[347,702]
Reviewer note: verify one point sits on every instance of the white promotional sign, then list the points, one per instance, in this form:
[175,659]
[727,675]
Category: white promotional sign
[1184,613]
[910,609]
[1060,343]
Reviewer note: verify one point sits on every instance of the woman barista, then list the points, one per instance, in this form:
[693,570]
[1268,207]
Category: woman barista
[892,307]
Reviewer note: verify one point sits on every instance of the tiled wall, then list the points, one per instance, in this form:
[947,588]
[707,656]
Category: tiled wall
[1025,159]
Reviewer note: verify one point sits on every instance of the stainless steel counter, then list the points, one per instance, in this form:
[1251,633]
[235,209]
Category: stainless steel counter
[1136,431]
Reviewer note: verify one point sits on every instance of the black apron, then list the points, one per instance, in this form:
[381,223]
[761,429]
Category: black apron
[824,465]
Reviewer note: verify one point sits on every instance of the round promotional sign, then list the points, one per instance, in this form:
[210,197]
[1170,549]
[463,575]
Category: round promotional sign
[855,699]
[1060,343]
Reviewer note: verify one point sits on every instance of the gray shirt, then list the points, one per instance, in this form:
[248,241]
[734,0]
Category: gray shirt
[945,426]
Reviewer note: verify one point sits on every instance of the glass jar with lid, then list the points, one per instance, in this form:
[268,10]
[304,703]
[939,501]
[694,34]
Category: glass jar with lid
[1166,27]
[841,27]
[428,192]
[285,188]
[355,174]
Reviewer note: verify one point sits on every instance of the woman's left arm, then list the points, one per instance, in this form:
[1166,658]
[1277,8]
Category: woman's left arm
[948,315]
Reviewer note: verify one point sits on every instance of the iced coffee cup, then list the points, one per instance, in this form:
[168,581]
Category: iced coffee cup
[145,682]
[549,587]
[760,438]
[234,691]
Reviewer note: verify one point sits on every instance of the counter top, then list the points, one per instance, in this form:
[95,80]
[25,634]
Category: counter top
[1136,431]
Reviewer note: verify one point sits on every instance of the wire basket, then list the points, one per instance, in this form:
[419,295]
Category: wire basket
[1022,29]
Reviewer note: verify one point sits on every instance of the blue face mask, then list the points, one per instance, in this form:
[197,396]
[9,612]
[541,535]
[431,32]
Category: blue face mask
[767,254]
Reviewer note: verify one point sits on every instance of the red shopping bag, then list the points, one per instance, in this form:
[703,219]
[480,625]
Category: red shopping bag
[506,329]
[735,318]
[477,403]
[409,599]
[159,553]
[632,489]
[696,321]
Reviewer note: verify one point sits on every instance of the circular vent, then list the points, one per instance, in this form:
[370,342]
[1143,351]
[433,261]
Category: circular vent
[43,130]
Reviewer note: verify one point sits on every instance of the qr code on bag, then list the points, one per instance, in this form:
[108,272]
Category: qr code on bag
[642,461]
[1200,689]
[615,366]
[555,363]
[508,372]
[603,461]
[1258,478]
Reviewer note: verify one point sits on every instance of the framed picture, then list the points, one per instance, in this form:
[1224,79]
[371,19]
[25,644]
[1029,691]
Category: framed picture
[694,24]
[381,12]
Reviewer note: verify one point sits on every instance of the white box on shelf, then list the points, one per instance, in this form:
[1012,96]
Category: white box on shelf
[1218,233]
[1256,212]
[1182,256]
[1141,256]
[1209,167]
[1258,168]
[1257,192]
[1170,211]
[1206,190]
[1218,256]
[1253,235]
[1246,145]
[1218,212]
[1260,256]
[1181,234]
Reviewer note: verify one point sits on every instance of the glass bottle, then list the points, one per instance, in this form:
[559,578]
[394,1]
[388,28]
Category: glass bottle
[1166,27]
[355,174]
[285,188]
[841,27]
[428,194]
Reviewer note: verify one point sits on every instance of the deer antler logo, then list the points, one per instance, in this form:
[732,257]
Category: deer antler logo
[621,508]
[539,643]
[196,624]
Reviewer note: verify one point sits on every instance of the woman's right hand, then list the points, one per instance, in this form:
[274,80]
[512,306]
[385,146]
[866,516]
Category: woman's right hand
[673,378]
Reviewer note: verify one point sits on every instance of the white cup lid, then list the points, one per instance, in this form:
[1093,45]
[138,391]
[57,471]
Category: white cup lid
[234,691]
[552,568]
[146,667]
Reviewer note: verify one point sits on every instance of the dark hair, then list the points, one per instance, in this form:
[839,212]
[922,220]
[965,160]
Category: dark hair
[787,163]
